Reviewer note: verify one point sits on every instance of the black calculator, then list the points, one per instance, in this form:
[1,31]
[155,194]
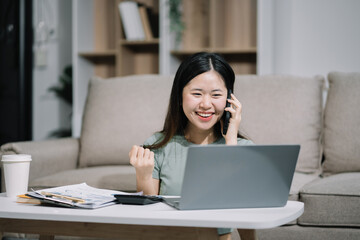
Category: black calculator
[137,199]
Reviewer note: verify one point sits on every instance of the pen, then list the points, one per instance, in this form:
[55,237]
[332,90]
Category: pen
[77,200]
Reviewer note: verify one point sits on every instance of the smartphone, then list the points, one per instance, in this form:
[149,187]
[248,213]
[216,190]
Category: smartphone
[226,115]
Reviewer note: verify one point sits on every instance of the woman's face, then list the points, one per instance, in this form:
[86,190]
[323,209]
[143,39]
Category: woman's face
[204,100]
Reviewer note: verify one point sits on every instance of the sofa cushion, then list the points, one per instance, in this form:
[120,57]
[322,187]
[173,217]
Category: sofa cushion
[283,110]
[342,124]
[108,177]
[61,154]
[299,181]
[118,114]
[313,233]
[332,201]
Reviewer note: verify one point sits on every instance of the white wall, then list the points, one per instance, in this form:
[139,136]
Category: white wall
[83,32]
[49,112]
[309,37]
[168,63]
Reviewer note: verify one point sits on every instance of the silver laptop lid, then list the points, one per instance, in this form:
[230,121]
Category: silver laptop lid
[222,176]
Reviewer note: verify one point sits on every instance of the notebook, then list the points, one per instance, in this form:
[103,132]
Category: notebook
[223,176]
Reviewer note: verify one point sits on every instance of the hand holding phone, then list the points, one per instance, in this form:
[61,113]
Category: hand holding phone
[227,114]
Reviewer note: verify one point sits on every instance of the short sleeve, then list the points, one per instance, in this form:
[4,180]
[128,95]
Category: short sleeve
[158,158]
[153,139]
[242,141]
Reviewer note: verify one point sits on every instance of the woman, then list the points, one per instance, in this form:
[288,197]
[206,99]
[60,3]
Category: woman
[197,103]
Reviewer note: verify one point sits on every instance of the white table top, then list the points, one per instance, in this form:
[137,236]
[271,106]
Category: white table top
[157,214]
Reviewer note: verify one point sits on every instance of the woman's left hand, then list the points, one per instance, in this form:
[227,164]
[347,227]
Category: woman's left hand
[235,119]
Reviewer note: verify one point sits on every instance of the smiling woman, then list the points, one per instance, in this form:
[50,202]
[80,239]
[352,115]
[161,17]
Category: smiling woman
[197,103]
[214,67]
[204,100]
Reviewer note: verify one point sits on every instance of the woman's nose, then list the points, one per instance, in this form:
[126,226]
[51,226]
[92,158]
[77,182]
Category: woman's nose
[205,102]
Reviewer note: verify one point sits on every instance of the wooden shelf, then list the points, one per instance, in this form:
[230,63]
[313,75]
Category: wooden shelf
[227,51]
[224,27]
[103,61]
[139,43]
[96,54]
[136,57]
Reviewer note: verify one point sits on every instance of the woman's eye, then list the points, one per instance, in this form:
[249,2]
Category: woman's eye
[196,94]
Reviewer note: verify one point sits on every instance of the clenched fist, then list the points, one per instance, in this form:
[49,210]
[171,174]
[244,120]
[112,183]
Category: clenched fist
[143,161]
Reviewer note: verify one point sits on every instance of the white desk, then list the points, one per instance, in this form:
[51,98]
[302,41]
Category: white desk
[150,221]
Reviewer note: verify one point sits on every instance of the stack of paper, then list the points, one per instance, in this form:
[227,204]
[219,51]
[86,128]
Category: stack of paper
[76,196]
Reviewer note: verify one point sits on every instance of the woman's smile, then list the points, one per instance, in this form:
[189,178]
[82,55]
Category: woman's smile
[205,116]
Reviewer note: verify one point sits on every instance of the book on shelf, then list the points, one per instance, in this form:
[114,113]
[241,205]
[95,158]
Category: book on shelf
[145,20]
[131,20]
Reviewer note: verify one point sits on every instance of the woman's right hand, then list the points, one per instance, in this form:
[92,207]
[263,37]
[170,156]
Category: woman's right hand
[143,161]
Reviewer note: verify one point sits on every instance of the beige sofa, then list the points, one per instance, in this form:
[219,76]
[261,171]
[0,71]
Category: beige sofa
[280,109]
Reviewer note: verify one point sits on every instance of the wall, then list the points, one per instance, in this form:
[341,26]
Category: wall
[308,37]
[83,41]
[49,112]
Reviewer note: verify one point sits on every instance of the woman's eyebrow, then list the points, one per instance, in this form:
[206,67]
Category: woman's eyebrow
[216,90]
[200,89]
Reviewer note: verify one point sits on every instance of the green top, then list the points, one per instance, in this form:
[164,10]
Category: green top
[170,161]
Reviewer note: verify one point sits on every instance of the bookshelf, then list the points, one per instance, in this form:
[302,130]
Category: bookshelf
[112,54]
[226,27]
[137,57]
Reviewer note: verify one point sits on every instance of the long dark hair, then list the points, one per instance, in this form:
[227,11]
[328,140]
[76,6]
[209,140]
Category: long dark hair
[176,121]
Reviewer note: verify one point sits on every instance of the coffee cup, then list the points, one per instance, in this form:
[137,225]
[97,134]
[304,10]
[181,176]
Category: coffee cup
[16,173]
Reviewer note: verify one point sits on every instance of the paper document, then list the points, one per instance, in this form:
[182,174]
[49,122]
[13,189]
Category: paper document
[78,196]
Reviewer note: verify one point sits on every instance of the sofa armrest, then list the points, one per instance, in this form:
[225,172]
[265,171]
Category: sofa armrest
[48,157]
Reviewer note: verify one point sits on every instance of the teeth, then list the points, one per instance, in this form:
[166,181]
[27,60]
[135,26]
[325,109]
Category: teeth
[205,114]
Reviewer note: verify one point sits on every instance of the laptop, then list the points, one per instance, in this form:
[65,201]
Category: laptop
[223,176]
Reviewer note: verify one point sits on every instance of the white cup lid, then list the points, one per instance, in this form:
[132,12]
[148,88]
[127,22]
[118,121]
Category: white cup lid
[16,158]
